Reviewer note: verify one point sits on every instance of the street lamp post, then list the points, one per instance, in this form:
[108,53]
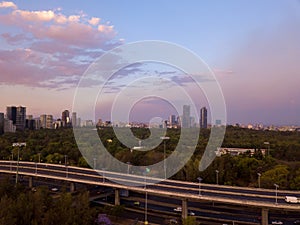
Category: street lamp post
[276,194]
[19,145]
[103,175]
[259,175]
[66,165]
[217,177]
[199,179]
[95,160]
[146,196]
[128,167]
[165,166]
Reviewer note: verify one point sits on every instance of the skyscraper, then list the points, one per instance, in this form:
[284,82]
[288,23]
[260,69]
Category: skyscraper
[11,113]
[49,122]
[17,115]
[74,119]
[43,119]
[172,120]
[186,117]
[21,118]
[203,118]
[65,118]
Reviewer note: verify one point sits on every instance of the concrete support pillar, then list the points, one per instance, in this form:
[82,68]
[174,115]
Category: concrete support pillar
[117,197]
[72,187]
[184,208]
[30,182]
[264,216]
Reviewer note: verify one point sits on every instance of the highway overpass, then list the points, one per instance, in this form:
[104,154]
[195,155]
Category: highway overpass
[265,199]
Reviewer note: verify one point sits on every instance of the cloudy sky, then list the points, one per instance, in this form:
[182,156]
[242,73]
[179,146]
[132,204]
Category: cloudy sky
[252,47]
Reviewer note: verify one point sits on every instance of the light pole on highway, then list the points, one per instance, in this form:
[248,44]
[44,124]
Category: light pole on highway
[217,177]
[103,175]
[276,194]
[259,175]
[146,196]
[19,145]
[95,161]
[66,165]
[128,167]
[199,179]
[165,166]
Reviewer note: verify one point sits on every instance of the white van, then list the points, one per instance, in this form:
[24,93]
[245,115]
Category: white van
[291,199]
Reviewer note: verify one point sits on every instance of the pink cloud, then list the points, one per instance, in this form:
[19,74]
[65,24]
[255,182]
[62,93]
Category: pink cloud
[51,49]
[94,21]
[8,5]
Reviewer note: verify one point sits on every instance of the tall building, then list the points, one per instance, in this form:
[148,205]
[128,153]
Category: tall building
[1,123]
[9,126]
[49,122]
[43,121]
[37,123]
[11,113]
[74,119]
[186,117]
[17,115]
[172,121]
[65,118]
[203,117]
[21,118]
[30,122]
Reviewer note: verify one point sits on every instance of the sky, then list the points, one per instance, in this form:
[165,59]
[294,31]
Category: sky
[252,47]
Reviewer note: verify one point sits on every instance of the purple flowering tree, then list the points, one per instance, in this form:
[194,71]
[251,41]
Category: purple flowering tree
[102,219]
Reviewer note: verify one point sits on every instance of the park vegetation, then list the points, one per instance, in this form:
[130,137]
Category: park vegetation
[280,166]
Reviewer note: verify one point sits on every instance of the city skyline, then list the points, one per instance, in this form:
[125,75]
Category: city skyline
[251,47]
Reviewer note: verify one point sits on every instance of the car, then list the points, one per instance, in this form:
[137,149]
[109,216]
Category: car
[173,221]
[178,209]
[297,222]
[191,213]
[137,203]
[54,189]
[277,222]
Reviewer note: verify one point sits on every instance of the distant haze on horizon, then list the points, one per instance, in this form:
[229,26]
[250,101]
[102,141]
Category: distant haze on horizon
[252,48]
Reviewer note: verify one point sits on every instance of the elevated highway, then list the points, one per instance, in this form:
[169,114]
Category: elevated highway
[265,199]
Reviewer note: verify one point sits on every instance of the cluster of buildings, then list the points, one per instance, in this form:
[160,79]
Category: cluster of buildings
[268,127]
[16,119]
[186,120]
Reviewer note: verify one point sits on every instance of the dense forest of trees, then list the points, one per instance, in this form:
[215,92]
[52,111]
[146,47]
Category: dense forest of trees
[23,207]
[282,166]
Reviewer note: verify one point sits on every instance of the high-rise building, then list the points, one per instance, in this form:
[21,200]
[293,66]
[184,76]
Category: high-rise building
[11,113]
[43,119]
[172,121]
[30,122]
[79,122]
[74,119]
[21,118]
[1,123]
[65,118]
[186,117]
[203,117]
[49,122]
[9,126]
[37,123]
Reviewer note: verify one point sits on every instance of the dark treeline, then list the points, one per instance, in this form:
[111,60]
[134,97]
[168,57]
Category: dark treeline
[20,206]
[281,166]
